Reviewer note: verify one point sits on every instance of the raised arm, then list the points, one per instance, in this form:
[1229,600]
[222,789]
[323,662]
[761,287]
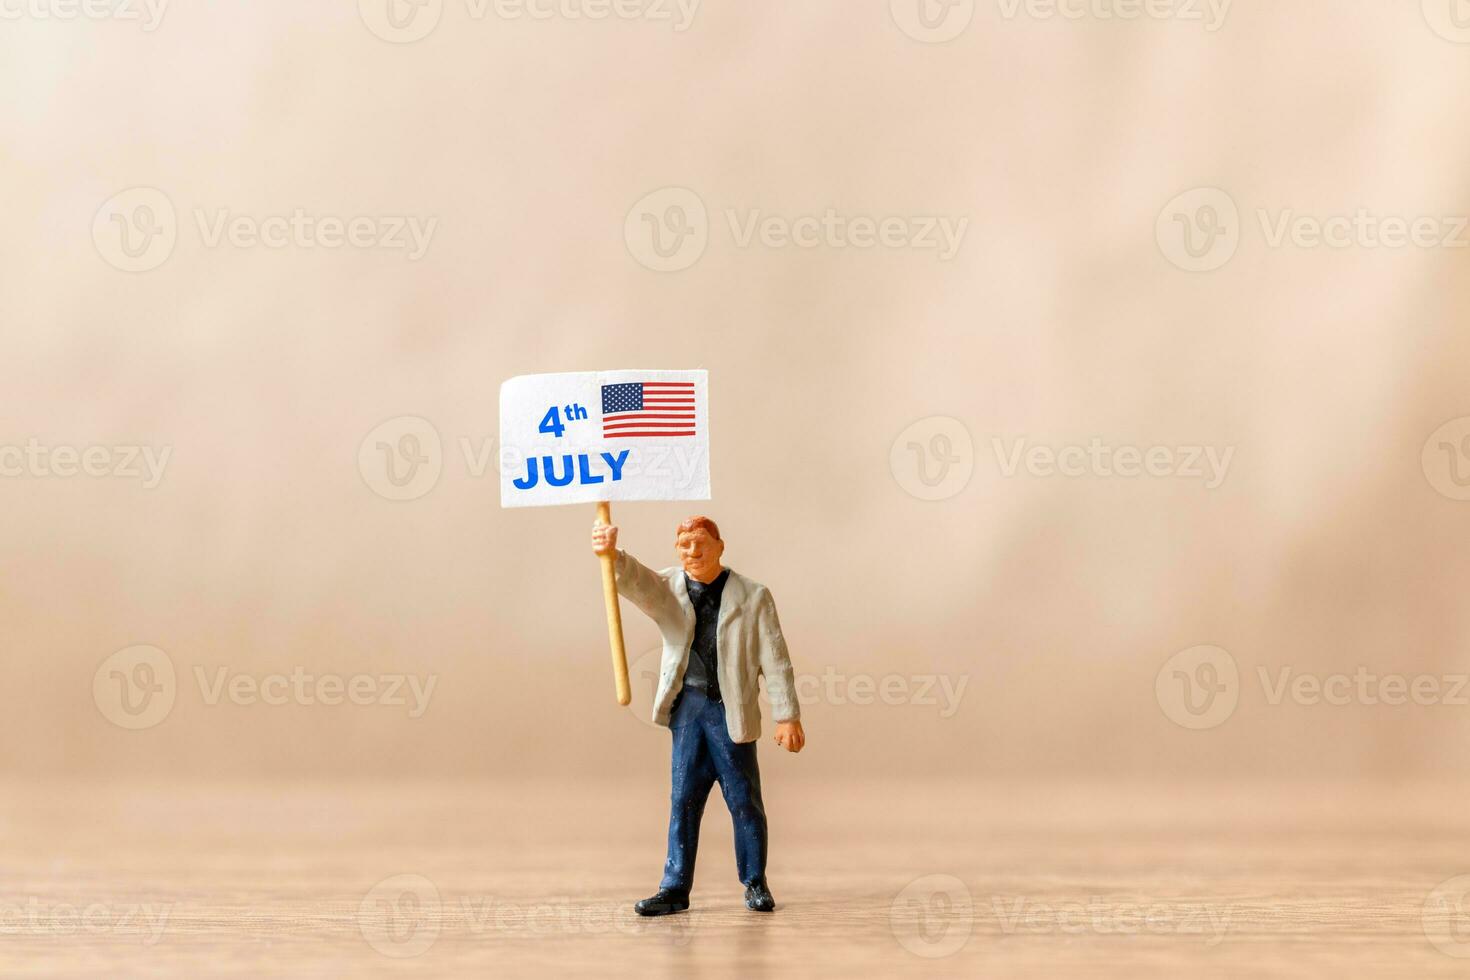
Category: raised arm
[638,583]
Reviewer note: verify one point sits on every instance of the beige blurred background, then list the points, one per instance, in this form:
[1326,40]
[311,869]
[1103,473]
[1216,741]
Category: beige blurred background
[1046,606]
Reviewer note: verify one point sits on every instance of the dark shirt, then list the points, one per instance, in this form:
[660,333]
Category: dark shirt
[703,671]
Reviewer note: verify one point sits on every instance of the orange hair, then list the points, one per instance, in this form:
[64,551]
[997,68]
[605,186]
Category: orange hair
[698,523]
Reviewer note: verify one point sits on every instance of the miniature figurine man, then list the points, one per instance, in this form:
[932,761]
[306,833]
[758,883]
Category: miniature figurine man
[720,634]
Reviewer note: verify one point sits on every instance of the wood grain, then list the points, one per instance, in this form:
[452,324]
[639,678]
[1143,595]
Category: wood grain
[536,879]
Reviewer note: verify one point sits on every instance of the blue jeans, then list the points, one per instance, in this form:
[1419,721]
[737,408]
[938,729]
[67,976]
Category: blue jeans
[703,756]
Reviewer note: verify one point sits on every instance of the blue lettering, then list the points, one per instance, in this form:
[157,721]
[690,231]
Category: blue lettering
[616,464]
[587,477]
[551,477]
[578,467]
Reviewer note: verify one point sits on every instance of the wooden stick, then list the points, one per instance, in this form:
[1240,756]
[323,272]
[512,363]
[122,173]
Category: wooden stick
[614,614]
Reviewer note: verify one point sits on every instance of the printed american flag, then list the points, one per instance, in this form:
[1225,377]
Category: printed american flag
[643,409]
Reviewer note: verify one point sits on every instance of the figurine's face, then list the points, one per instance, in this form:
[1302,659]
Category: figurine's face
[700,555]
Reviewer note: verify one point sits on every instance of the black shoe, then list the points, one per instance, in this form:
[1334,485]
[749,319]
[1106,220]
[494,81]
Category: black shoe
[666,902]
[758,898]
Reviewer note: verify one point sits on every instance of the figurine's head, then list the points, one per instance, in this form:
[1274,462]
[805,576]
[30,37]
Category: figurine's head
[699,546]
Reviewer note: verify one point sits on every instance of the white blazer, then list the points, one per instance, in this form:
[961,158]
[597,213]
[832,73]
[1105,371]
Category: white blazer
[749,638]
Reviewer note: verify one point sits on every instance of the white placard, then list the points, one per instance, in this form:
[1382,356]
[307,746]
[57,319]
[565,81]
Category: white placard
[604,435]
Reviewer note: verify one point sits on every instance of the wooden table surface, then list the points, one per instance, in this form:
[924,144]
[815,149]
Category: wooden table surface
[525,879]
